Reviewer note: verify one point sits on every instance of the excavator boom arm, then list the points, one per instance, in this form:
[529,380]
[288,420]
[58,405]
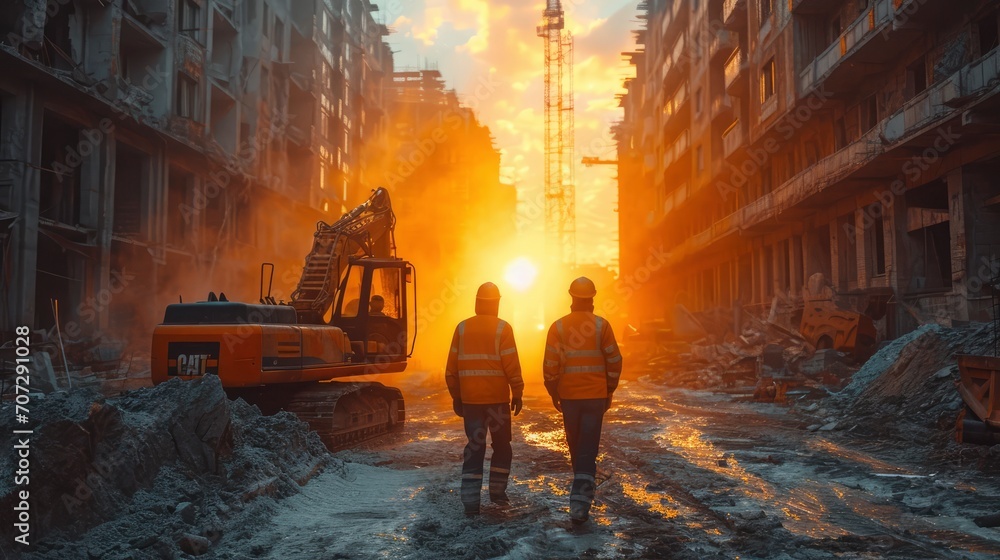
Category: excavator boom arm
[365,231]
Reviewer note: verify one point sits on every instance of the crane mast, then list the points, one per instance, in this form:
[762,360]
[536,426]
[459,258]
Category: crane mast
[560,190]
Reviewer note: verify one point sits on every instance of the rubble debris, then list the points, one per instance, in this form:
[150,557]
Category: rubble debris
[686,325]
[885,358]
[987,520]
[731,356]
[824,325]
[901,394]
[166,467]
[97,362]
[195,545]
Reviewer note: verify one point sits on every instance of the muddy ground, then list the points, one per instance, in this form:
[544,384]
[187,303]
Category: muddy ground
[683,475]
[179,471]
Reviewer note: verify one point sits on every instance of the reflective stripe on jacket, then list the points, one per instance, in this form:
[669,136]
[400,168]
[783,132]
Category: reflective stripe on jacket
[582,360]
[483,366]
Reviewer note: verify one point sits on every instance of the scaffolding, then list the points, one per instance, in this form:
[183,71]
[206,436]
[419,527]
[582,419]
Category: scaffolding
[560,189]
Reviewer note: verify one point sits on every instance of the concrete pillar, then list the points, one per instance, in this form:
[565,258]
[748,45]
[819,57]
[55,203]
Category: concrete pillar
[778,255]
[796,270]
[835,240]
[22,143]
[861,234]
[960,217]
[105,221]
[895,264]
[761,263]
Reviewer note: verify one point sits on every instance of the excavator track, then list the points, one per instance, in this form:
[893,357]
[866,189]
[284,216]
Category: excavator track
[342,413]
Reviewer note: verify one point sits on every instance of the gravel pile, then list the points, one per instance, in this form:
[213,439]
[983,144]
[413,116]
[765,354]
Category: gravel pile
[156,472]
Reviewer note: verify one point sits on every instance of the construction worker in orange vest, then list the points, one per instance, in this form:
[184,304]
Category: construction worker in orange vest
[581,368]
[484,378]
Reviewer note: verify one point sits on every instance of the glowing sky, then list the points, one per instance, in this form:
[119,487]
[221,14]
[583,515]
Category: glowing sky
[489,53]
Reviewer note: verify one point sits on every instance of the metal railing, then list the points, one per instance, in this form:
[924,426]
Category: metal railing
[735,65]
[732,138]
[855,34]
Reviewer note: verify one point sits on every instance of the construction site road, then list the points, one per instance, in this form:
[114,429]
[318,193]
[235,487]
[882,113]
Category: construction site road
[682,474]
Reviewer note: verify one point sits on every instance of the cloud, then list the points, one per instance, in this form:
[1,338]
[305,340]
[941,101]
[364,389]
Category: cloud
[469,38]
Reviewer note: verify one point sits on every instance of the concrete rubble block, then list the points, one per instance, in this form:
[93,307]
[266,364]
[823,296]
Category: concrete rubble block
[825,361]
[194,545]
[773,359]
[704,353]
[946,371]
[95,453]
[43,378]
[186,511]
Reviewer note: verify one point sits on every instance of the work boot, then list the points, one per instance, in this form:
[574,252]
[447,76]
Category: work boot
[579,512]
[498,485]
[500,498]
[472,485]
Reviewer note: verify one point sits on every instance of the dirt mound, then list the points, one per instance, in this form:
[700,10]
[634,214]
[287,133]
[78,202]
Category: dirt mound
[907,391]
[161,470]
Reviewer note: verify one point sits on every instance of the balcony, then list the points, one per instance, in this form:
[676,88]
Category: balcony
[732,139]
[676,103]
[675,199]
[722,106]
[811,7]
[933,104]
[722,44]
[736,79]
[734,14]
[822,184]
[864,48]
[676,63]
[189,56]
[677,149]
[674,19]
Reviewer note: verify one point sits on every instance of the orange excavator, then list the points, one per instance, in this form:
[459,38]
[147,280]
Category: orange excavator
[347,317]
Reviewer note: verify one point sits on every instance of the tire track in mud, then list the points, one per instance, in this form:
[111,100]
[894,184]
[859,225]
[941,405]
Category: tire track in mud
[836,513]
[683,475]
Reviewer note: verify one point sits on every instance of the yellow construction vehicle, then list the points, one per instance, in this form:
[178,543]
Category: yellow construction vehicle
[348,317]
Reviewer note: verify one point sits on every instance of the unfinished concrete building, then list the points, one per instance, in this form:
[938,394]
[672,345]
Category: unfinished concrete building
[153,148]
[766,141]
[445,169]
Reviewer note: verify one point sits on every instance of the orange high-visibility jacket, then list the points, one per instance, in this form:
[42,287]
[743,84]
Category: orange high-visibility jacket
[582,360]
[483,367]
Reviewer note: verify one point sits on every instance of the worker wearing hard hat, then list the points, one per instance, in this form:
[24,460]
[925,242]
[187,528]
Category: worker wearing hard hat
[582,366]
[484,378]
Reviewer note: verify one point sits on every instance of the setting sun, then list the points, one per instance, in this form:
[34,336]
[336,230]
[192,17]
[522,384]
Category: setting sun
[521,274]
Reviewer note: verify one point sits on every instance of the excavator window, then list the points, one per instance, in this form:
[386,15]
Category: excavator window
[351,295]
[386,291]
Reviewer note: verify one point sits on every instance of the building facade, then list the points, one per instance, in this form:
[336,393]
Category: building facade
[766,141]
[156,148]
[443,171]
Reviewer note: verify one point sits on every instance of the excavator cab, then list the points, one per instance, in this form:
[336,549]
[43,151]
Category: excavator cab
[372,309]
